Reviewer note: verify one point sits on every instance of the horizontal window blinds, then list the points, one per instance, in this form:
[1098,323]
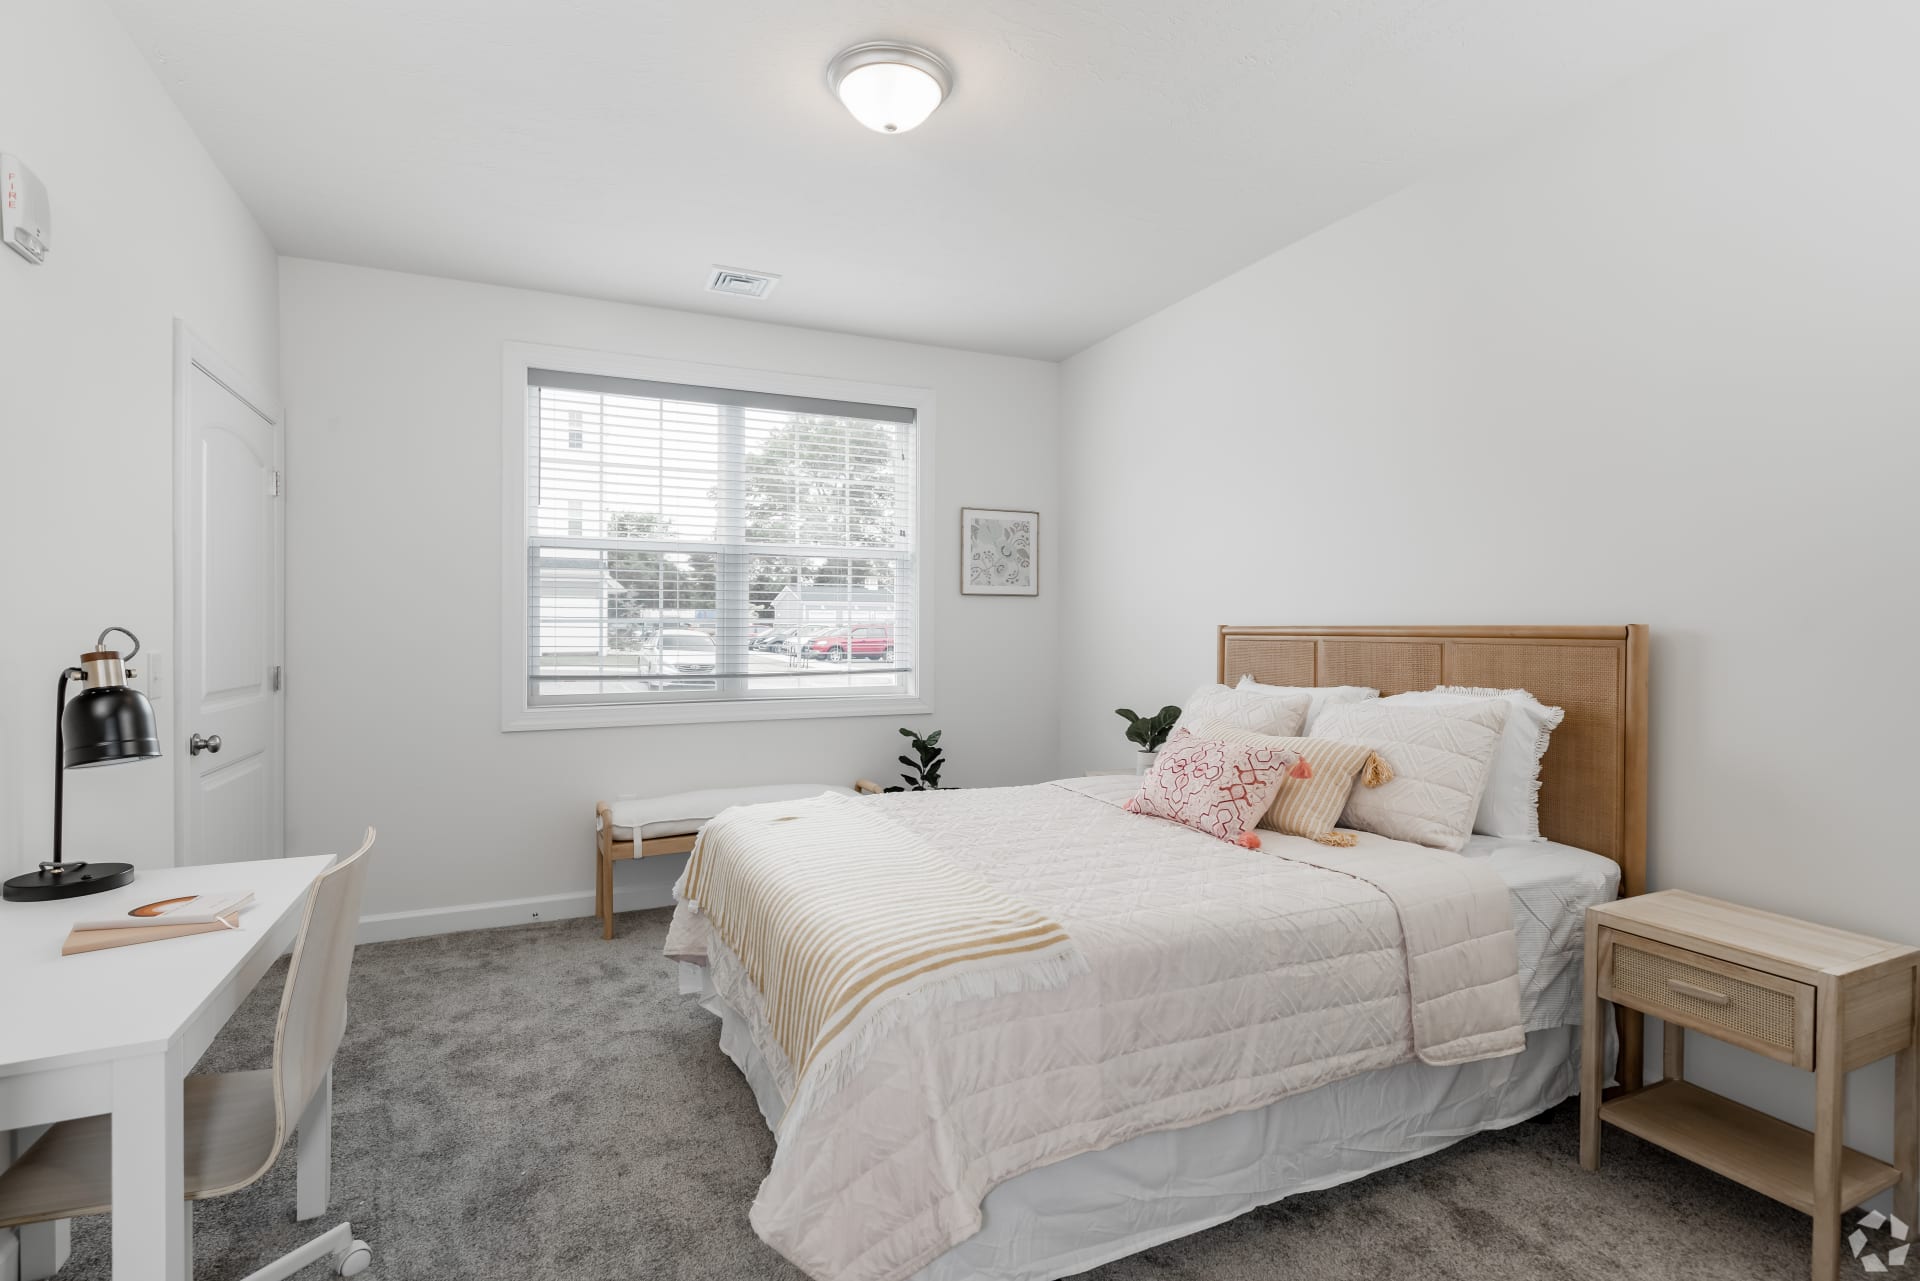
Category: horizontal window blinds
[689,543]
[642,388]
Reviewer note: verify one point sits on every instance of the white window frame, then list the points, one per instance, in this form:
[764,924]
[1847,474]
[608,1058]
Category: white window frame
[516,714]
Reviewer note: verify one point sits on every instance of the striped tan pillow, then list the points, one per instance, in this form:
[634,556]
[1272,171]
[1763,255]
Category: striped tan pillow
[1308,807]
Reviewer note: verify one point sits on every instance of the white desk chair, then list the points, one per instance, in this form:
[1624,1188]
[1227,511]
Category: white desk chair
[235,1122]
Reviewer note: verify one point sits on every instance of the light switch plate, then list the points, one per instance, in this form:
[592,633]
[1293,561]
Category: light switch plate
[26,215]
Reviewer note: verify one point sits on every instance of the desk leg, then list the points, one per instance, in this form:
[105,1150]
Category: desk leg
[44,1248]
[150,1237]
[313,1169]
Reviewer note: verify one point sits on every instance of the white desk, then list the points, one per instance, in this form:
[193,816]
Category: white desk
[118,1030]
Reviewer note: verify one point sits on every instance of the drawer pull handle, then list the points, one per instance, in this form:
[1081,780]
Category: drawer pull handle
[1706,994]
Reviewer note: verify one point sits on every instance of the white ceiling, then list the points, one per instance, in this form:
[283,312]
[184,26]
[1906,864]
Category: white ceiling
[1098,159]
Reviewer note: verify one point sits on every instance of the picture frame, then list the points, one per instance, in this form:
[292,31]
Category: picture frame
[999,552]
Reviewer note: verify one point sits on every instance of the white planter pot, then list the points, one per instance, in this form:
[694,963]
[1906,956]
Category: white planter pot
[1143,761]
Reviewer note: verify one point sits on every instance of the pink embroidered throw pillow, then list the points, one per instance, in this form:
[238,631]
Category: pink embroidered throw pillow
[1212,786]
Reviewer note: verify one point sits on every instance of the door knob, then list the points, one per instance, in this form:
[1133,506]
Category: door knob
[197,744]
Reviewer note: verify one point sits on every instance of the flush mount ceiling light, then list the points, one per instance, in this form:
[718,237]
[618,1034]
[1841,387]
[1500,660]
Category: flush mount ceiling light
[889,88]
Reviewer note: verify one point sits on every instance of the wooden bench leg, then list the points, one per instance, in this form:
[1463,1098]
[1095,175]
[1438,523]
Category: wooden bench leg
[605,895]
[599,881]
[603,868]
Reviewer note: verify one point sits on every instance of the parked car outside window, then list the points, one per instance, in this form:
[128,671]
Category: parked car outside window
[869,640]
[680,652]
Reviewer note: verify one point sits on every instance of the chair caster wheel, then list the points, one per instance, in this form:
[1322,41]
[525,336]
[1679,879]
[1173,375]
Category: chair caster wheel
[353,1260]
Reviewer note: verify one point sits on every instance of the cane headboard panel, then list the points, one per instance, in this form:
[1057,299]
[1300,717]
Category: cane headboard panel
[1593,791]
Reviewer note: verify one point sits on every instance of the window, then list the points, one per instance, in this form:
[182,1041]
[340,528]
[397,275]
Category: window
[692,550]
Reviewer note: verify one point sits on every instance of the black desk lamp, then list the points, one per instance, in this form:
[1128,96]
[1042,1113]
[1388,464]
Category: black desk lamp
[105,724]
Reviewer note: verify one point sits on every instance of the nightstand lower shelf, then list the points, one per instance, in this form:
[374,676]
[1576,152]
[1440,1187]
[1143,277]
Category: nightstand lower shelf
[1749,1147]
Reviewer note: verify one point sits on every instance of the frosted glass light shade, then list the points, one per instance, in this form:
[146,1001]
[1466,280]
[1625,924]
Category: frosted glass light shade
[889,88]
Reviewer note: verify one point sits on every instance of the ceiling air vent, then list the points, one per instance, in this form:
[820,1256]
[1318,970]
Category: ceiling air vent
[745,284]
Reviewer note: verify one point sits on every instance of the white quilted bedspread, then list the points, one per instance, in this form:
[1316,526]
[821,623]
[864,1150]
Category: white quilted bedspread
[1219,979]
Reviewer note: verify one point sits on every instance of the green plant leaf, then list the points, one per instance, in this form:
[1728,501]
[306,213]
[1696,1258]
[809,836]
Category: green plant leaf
[1127,712]
[904,730]
[934,737]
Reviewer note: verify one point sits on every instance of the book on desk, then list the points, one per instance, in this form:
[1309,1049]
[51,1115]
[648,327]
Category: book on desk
[166,919]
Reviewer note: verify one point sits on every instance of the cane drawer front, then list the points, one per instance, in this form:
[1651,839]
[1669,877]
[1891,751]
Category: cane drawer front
[1760,1011]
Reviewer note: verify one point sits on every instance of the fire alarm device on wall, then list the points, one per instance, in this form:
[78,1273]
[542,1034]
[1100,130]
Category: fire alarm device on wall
[26,217]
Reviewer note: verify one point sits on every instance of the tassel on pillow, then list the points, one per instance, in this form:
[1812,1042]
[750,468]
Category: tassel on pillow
[1376,772]
[1341,839]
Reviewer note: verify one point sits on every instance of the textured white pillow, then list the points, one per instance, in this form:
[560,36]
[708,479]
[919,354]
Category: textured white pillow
[1439,756]
[1322,696]
[1257,710]
[1510,807]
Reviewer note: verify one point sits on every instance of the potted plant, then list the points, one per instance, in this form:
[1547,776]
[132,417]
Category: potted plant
[1148,733]
[926,770]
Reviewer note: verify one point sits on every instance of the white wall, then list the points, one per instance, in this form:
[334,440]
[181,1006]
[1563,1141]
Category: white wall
[1660,364]
[392,390]
[144,229]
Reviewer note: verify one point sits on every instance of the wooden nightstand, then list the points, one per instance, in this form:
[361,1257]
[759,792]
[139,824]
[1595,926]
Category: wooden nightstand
[1819,999]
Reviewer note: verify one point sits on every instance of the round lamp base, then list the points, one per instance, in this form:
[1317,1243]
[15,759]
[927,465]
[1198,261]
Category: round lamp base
[87,878]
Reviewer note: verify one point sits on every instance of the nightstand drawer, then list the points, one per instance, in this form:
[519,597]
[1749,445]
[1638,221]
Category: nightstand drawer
[1761,1012]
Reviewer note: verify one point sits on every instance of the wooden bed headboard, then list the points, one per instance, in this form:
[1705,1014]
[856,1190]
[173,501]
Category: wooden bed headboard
[1593,788]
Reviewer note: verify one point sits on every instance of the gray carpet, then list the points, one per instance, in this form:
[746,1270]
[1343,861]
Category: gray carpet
[535,1104]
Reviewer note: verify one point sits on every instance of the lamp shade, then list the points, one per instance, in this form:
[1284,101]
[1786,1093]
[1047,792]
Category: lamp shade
[107,723]
[106,726]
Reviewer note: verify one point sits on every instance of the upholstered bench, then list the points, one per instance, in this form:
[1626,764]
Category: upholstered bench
[643,826]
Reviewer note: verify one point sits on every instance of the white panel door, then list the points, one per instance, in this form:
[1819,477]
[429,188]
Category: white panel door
[228,754]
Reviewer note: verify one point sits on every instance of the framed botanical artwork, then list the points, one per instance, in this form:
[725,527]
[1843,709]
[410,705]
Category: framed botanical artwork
[999,552]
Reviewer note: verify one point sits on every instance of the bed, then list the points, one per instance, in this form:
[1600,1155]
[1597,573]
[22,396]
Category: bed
[1244,1043]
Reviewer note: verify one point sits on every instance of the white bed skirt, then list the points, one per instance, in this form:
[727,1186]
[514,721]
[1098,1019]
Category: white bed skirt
[1090,1209]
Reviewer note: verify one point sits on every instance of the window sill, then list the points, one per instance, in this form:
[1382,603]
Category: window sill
[614,715]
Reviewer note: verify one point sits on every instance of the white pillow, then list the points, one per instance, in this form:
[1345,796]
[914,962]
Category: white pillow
[1439,756]
[1323,696]
[1257,710]
[1511,806]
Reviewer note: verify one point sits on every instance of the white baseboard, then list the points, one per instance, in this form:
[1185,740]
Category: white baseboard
[385,926]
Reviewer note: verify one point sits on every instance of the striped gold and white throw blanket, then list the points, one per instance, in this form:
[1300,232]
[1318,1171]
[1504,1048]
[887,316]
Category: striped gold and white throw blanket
[849,923]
